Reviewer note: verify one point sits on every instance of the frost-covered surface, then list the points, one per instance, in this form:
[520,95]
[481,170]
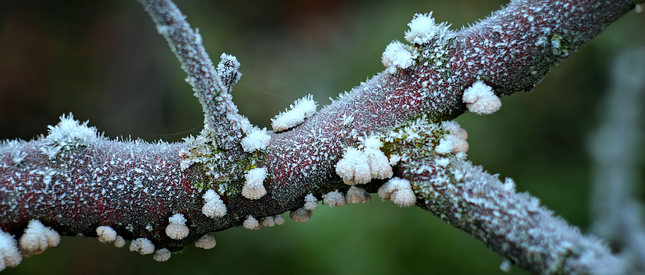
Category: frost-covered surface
[423,30]
[256,140]
[135,186]
[68,134]
[299,111]
[512,224]
[397,55]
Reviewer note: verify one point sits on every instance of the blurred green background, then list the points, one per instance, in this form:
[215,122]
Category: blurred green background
[104,62]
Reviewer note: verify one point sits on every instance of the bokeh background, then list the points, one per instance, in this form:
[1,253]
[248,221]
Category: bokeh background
[104,62]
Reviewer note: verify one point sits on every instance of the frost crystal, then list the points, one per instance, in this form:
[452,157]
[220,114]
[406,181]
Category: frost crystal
[206,242]
[334,199]
[9,254]
[356,195]
[423,29]
[162,255]
[253,187]
[396,55]
[143,246]
[300,110]
[227,69]
[177,228]
[37,238]
[67,135]
[311,202]
[213,207]
[300,215]
[480,99]
[399,191]
[251,223]
[106,234]
[256,140]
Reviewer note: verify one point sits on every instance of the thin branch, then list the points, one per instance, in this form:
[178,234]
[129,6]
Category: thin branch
[615,148]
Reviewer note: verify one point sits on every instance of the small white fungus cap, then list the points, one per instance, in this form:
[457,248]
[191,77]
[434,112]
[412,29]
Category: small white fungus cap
[360,167]
[162,255]
[399,191]
[214,206]
[37,238]
[480,99]
[300,215]
[177,228]
[253,187]
[256,140]
[445,146]
[106,234]
[206,242]
[396,55]
[457,138]
[251,223]
[267,221]
[119,242]
[334,199]
[9,253]
[300,110]
[278,219]
[356,195]
[311,202]
[143,246]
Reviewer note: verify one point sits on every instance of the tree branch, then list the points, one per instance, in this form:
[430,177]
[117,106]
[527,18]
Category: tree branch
[74,180]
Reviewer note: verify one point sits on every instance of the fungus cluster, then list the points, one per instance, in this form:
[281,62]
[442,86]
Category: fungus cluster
[455,142]
[37,238]
[106,234]
[206,242]
[480,99]
[143,246]
[356,195]
[399,191]
[161,255]
[256,139]
[9,253]
[334,199]
[300,215]
[361,166]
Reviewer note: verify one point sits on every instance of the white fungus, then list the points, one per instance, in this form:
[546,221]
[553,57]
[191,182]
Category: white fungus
[356,195]
[300,215]
[397,56]
[480,99]
[423,29]
[300,110]
[334,199]
[399,191]
[311,202]
[106,234]
[119,242]
[267,221]
[214,206]
[278,219]
[360,167]
[445,146]
[253,187]
[251,223]
[457,136]
[505,266]
[177,228]
[206,242]
[256,140]
[143,246]
[37,238]
[162,255]
[9,254]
